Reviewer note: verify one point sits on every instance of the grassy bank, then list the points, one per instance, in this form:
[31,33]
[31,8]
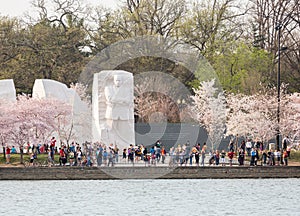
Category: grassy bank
[15,158]
[295,156]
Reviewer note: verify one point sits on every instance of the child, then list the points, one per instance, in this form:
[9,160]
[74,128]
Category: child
[223,155]
[32,156]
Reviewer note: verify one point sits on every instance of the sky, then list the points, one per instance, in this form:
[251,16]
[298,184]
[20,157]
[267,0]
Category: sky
[16,8]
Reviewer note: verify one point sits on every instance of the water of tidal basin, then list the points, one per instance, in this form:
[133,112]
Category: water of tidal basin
[151,197]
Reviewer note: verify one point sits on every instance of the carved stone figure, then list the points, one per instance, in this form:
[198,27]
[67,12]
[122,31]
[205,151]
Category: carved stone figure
[113,108]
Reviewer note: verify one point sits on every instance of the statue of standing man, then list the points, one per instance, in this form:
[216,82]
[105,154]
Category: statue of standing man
[118,119]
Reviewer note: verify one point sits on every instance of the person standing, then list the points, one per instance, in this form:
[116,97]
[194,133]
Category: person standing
[152,153]
[99,155]
[116,153]
[71,157]
[191,157]
[131,151]
[146,159]
[264,158]
[203,152]
[61,156]
[163,154]
[285,143]
[270,157]
[248,147]
[277,157]
[32,157]
[241,157]
[223,155]
[124,154]
[13,150]
[172,155]
[110,156]
[79,156]
[285,157]
[230,156]
[52,147]
[253,157]
[188,153]
[217,157]
[231,146]
[8,150]
[197,154]
[50,161]
[243,145]
[157,153]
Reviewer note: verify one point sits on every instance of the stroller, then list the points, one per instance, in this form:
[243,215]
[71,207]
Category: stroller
[211,160]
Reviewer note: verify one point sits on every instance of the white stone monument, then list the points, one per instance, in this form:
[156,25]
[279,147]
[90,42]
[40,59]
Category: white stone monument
[113,116]
[81,113]
[7,90]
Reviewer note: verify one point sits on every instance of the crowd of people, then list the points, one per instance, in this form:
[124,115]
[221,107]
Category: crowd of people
[257,152]
[100,154]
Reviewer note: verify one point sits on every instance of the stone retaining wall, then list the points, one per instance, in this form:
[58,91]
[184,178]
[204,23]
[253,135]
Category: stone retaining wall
[106,173]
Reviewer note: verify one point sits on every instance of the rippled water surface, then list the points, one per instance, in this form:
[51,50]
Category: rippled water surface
[151,197]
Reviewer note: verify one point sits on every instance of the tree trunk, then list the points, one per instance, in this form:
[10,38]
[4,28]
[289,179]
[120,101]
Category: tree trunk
[4,155]
[236,144]
[21,155]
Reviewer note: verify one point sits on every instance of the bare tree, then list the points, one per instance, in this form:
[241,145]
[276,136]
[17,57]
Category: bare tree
[211,24]
[269,16]
[157,96]
[152,17]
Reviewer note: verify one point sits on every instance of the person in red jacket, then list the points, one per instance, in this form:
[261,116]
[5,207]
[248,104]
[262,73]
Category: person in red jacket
[163,154]
[230,156]
[52,147]
[7,154]
[62,156]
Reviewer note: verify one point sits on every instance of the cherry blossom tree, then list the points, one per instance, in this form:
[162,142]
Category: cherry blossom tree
[31,120]
[256,115]
[6,121]
[248,115]
[291,117]
[209,107]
